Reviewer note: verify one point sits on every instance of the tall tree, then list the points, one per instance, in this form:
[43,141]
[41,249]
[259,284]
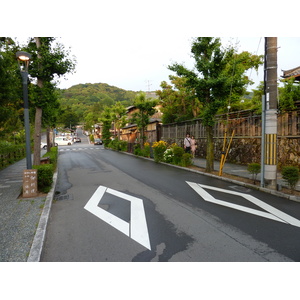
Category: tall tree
[218,72]
[106,120]
[179,102]
[145,109]
[288,94]
[119,116]
[11,113]
[49,61]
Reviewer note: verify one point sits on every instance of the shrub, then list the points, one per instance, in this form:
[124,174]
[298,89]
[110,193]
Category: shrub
[159,149]
[178,153]
[53,155]
[168,155]
[45,177]
[291,175]
[118,145]
[10,153]
[186,160]
[254,169]
[146,150]
[45,171]
[137,150]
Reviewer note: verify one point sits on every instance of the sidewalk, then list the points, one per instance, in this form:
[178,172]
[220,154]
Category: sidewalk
[18,216]
[23,221]
[239,170]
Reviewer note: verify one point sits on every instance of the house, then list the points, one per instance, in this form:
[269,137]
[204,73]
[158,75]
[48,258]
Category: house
[295,72]
[131,133]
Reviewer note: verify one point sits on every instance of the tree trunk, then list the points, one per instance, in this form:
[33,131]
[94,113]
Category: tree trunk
[49,142]
[209,149]
[38,121]
[37,136]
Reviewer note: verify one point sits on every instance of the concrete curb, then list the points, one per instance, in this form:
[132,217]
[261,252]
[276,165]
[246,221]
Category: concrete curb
[39,238]
[262,189]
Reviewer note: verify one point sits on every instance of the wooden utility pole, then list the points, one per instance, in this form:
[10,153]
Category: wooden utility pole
[271,98]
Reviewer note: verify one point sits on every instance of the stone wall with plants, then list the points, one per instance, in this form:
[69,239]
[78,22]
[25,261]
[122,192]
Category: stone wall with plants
[248,150]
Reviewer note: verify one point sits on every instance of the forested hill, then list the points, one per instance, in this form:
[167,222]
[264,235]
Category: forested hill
[88,94]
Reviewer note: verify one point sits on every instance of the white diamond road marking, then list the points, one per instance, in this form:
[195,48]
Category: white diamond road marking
[272,212]
[137,228]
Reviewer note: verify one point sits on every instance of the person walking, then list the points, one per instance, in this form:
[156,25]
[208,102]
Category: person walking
[187,143]
[193,146]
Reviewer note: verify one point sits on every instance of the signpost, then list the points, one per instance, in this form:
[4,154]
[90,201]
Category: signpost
[30,183]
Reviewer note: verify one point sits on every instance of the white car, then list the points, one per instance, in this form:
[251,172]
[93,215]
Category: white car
[43,145]
[62,141]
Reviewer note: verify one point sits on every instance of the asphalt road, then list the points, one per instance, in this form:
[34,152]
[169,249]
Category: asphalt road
[111,206]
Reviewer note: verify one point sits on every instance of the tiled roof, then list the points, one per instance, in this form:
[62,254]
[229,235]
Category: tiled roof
[292,73]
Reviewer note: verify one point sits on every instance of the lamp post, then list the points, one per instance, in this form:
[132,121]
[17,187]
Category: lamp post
[23,62]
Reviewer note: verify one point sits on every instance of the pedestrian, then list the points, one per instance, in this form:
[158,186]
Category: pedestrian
[193,146]
[187,143]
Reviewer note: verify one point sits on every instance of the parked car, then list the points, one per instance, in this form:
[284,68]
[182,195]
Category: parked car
[62,141]
[43,145]
[98,142]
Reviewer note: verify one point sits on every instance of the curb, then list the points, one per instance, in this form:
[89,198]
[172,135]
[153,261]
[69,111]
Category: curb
[39,237]
[255,187]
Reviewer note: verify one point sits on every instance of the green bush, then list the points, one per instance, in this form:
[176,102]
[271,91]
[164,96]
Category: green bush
[291,175]
[177,154]
[10,153]
[159,149]
[45,171]
[146,150]
[45,177]
[53,155]
[186,160]
[254,169]
[118,145]
[169,155]
[137,150]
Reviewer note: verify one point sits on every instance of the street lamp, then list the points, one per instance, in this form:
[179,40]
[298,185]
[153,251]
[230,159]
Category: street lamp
[23,62]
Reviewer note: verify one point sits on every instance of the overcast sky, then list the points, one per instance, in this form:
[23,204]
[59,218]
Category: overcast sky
[129,44]
[141,63]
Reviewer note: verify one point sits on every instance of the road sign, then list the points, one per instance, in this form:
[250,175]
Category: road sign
[30,183]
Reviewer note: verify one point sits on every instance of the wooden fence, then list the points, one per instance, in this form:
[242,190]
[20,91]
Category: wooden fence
[246,143]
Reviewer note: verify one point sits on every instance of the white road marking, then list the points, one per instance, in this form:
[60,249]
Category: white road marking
[4,186]
[78,149]
[137,228]
[272,212]
[92,206]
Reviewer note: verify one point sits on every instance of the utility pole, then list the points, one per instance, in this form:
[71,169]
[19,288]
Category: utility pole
[270,105]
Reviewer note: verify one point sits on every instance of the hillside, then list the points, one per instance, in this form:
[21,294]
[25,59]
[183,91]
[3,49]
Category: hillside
[82,97]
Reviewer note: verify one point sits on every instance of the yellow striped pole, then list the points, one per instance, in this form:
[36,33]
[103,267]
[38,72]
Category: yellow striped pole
[271,149]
